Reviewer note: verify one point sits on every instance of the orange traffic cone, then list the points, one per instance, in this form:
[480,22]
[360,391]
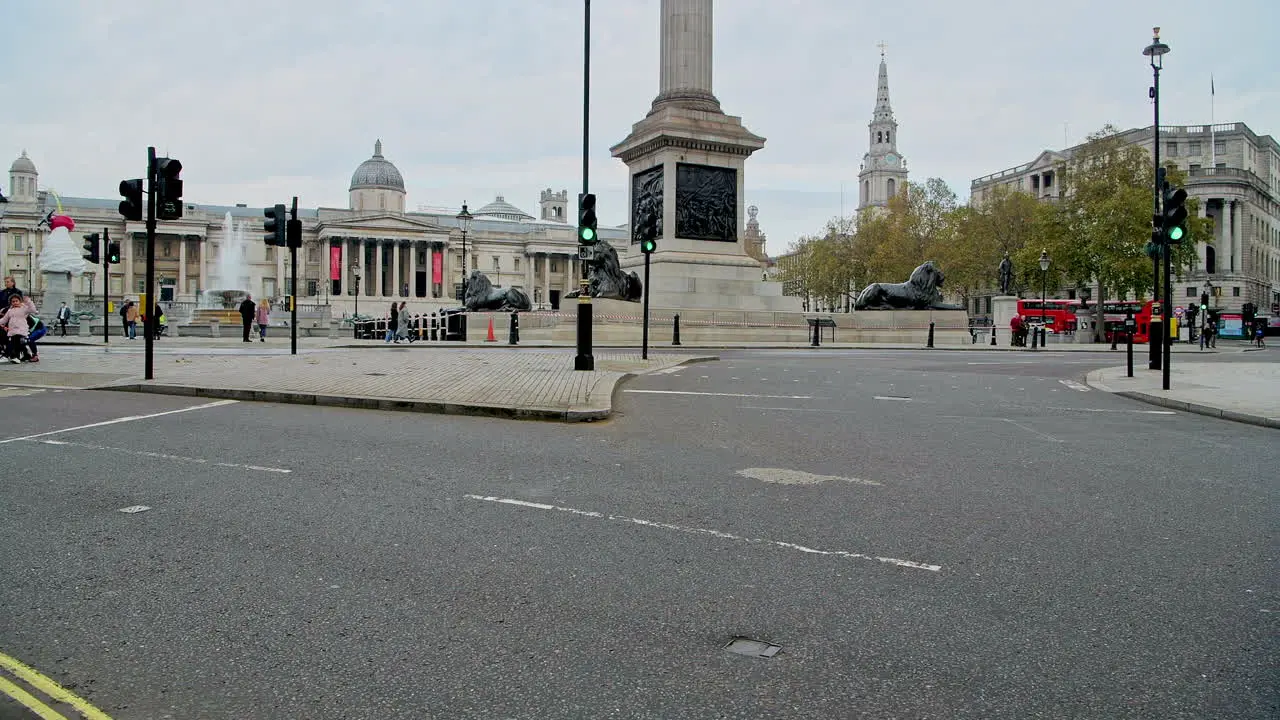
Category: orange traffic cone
[491,337]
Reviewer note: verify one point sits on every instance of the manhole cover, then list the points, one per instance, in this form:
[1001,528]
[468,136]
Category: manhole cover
[377,374]
[752,648]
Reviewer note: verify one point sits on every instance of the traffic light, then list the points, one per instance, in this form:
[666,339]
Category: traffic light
[587,219]
[1204,301]
[113,252]
[1247,311]
[168,189]
[648,240]
[131,206]
[1173,224]
[274,225]
[92,244]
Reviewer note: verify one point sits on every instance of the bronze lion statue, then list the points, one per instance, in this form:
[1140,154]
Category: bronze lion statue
[480,295]
[605,278]
[919,292]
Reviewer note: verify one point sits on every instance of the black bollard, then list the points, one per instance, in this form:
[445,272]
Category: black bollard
[993,336]
[1128,342]
[817,336]
[355,329]
[930,343]
[435,326]
[1114,338]
[513,336]
[675,330]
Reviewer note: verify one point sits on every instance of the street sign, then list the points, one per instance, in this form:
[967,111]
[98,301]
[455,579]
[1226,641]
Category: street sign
[1178,311]
[1275,309]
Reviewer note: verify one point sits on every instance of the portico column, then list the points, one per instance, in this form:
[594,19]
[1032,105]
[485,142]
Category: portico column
[182,266]
[528,272]
[546,278]
[376,275]
[281,273]
[1237,236]
[413,269]
[202,251]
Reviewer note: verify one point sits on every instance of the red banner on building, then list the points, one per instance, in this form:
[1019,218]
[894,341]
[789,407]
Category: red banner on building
[335,262]
[437,267]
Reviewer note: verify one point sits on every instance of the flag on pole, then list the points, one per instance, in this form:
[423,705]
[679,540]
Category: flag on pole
[1210,84]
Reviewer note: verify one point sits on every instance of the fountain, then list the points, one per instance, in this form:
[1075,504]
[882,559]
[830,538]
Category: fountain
[223,304]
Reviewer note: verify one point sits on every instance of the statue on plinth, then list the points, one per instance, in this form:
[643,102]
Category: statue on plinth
[480,295]
[919,292]
[1006,275]
[605,278]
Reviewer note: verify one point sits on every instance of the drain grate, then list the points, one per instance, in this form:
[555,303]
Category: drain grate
[752,648]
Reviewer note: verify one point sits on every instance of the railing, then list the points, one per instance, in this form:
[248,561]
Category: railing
[1003,173]
[1200,129]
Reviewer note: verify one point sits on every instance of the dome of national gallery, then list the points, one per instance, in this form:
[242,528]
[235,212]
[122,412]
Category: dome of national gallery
[377,173]
[502,209]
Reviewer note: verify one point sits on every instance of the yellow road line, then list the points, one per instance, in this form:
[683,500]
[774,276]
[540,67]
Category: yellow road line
[52,689]
[30,701]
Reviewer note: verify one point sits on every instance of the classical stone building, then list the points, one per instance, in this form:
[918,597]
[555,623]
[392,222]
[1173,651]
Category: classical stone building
[1234,172]
[884,171]
[414,256]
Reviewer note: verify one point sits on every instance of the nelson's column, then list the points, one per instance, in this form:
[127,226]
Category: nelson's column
[686,160]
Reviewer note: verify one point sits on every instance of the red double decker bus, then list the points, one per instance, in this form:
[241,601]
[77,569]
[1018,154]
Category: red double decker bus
[1115,311]
[1059,315]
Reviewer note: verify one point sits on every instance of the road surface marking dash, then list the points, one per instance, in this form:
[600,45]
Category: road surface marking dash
[130,418]
[1075,385]
[715,394]
[51,688]
[707,531]
[165,456]
[899,398]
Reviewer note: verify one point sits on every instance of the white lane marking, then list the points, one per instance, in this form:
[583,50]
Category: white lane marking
[667,371]
[1075,385]
[131,418]
[1050,438]
[165,456]
[1002,362]
[784,476]
[893,397]
[1140,412]
[821,410]
[134,509]
[705,531]
[689,392]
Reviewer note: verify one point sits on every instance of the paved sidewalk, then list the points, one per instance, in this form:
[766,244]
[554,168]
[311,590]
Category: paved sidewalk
[527,385]
[1244,392]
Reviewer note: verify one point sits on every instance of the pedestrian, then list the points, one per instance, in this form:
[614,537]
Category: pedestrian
[247,312]
[393,324]
[156,321]
[1015,328]
[10,289]
[14,319]
[402,325]
[1259,330]
[131,320]
[64,316]
[264,319]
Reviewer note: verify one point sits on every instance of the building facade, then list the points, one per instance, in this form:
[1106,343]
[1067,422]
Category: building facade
[883,173]
[1235,174]
[373,247]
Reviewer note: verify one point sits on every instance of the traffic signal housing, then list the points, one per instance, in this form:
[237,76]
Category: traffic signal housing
[649,241]
[1173,223]
[92,247]
[1204,301]
[587,224]
[168,189]
[113,253]
[274,225]
[131,206]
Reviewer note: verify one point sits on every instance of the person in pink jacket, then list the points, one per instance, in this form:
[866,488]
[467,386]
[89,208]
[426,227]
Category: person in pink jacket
[264,319]
[15,320]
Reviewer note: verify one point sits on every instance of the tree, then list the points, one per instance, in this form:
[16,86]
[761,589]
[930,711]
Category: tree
[981,234]
[1099,230]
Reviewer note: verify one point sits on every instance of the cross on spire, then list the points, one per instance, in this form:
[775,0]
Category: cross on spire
[881,45]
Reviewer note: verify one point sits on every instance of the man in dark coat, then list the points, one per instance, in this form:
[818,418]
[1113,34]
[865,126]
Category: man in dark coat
[247,310]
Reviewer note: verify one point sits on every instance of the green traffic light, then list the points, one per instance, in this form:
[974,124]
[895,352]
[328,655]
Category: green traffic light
[1175,233]
[587,234]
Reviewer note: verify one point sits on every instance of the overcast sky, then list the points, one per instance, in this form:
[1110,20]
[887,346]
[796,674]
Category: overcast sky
[265,99]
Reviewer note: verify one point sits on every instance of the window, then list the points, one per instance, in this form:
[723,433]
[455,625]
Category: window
[1193,149]
[1220,147]
[140,285]
[313,288]
[1194,168]
[313,253]
[1220,165]
[879,137]
[886,136]
[1235,292]
[554,266]
[515,262]
[890,186]
[1191,292]
[271,253]
[475,262]
[139,248]
[497,263]
[19,242]
[1172,149]
[166,250]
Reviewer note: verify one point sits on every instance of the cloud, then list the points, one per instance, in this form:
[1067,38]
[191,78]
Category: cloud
[473,99]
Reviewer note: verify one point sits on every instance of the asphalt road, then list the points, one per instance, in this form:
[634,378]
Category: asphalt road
[925,535]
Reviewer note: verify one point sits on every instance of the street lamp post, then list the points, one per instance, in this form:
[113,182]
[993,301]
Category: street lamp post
[1156,51]
[1044,284]
[355,274]
[464,224]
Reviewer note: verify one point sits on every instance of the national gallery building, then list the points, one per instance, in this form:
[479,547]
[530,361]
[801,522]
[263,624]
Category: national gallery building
[373,248]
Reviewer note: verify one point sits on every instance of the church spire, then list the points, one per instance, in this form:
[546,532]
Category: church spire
[883,111]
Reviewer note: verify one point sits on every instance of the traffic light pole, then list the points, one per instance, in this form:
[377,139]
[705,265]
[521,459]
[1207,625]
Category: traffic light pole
[148,326]
[584,360]
[106,286]
[1156,347]
[644,347]
[293,296]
